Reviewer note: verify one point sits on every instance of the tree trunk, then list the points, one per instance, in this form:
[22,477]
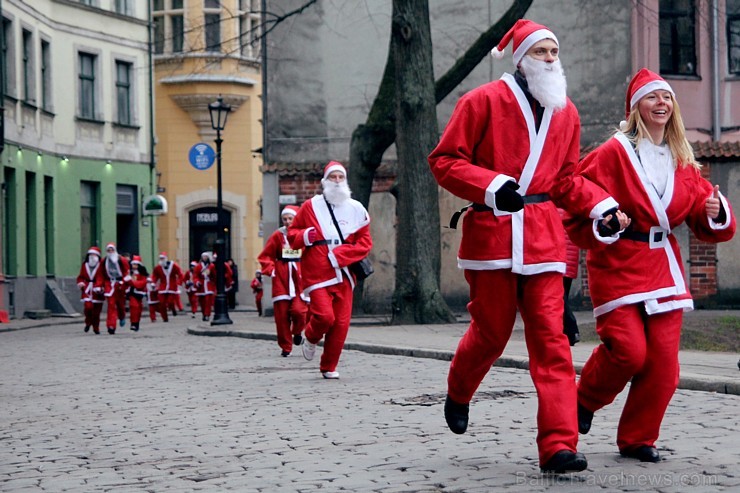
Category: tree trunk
[417,298]
[370,140]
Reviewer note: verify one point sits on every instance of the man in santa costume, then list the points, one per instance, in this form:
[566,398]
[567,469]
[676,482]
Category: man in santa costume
[137,291]
[91,289]
[190,288]
[510,148]
[636,276]
[168,276]
[205,281]
[282,264]
[325,263]
[115,281]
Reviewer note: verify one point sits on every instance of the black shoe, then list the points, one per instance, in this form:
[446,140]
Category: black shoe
[174,313]
[643,453]
[297,339]
[565,461]
[111,331]
[285,354]
[135,327]
[456,416]
[585,417]
[205,319]
[96,331]
[87,328]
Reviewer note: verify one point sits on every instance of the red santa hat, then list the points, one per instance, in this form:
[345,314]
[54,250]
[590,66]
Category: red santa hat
[193,263]
[525,34]
[289,209]
[136,260]
[111,245]
[163,255]
[643,83]
[94,251]
[334,166]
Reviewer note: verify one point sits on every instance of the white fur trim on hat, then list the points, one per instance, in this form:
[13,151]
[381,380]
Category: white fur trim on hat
[497,54]
[288,210]
[532,40]
[335,167]
[94,251]
[656,85]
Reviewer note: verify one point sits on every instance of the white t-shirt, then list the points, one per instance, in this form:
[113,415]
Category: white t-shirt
[657,162]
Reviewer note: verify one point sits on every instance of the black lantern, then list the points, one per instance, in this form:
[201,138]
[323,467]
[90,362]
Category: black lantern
[219,113]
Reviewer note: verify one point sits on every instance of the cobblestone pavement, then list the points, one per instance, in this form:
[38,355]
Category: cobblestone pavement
[161,410]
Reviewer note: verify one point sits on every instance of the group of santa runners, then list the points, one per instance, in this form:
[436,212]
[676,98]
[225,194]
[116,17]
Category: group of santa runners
[114,279]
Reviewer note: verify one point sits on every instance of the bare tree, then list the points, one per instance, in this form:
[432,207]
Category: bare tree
[417,297]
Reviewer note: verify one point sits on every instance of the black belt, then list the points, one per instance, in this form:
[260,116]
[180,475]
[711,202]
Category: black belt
[535,198]
[629,234]
[325,242]
[290,259]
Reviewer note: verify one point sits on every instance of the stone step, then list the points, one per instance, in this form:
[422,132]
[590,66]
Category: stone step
[37,314]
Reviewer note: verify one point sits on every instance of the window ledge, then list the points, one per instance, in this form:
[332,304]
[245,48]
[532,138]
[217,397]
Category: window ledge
[11,98]
[680,77]
[127,126]
[83,119]
[29,105]
[48,113]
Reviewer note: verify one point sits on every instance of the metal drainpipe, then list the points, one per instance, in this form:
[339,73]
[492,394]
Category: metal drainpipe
[716,125]
[152,161]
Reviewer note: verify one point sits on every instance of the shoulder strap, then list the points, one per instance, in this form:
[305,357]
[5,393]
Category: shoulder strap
[336,224]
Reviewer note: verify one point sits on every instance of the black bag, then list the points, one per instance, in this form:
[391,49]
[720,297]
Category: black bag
[364,267]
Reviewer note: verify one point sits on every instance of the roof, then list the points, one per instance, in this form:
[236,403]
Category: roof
[714,150]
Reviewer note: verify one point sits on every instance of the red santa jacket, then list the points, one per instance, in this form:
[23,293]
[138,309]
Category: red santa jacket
[326,262]
[282,263]
[168,278]
[114,275]
[626,271]
[93,282]
[491,139]
[189,281]
[139,281]
[205,278]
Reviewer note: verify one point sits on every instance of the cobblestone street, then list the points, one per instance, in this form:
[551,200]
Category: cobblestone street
[161,410]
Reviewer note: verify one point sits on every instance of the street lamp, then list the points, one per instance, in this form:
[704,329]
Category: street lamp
[219,112]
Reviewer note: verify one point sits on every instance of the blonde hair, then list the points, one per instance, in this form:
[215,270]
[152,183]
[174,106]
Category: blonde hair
[675,136]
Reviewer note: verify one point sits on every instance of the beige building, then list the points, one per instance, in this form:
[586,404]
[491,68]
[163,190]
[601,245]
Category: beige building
[203,49]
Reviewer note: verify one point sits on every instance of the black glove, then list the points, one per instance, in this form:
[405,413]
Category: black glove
[507,199]
[612,227]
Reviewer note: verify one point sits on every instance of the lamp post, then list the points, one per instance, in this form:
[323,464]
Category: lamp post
[219,112]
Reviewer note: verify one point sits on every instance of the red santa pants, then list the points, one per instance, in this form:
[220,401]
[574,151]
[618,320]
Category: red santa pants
[331,311]
[92,314]
[495,296]
[178,301]
[166,302]
[116,308]
[290,319]
[206,303]
[640,347]
[258,301]
[153,309]
[193,300]
[135,303]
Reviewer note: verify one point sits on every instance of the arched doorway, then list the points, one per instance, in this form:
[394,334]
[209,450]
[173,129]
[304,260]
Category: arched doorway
[203,231]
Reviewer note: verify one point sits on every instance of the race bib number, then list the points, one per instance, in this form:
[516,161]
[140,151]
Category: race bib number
[290,254]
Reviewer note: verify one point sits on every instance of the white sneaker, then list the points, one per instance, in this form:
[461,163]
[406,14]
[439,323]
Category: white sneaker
[308,349]
[331,375]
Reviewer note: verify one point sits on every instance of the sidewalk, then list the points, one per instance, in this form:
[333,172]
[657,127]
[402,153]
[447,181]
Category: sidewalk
[705,371]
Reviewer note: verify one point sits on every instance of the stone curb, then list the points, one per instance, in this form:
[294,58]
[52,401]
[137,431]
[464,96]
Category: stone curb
[685,383]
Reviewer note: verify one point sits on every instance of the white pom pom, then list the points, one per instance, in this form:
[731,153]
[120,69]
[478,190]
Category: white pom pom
[497,54]
[623,125]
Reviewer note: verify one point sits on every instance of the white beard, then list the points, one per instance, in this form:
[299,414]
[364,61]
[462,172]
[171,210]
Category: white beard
[546,82]
[336,193]
[163,263]
[92,261]
[113,257]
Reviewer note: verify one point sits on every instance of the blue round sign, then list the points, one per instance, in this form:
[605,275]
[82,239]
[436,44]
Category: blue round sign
[202,156]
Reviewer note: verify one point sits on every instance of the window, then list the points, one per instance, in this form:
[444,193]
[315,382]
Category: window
[733,36]
[32,267]
[213,32]
[249,28]
[8,58]
[88,215]
[677,37]
[123,92]
[45,75]
[29,93]
[169,26]
[123,7]
[87,86]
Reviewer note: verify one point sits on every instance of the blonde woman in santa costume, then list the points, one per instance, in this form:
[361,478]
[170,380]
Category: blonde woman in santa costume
[327,279]
[282,264]
[636,276]
[510,148]
[90,283]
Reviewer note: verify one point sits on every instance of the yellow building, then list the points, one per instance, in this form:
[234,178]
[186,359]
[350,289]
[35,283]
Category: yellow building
[203,49]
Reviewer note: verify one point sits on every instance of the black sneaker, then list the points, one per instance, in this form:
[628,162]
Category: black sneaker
[285,354]
[111,331]
[87,328]
[565,461]
[456,415]
[297,338]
